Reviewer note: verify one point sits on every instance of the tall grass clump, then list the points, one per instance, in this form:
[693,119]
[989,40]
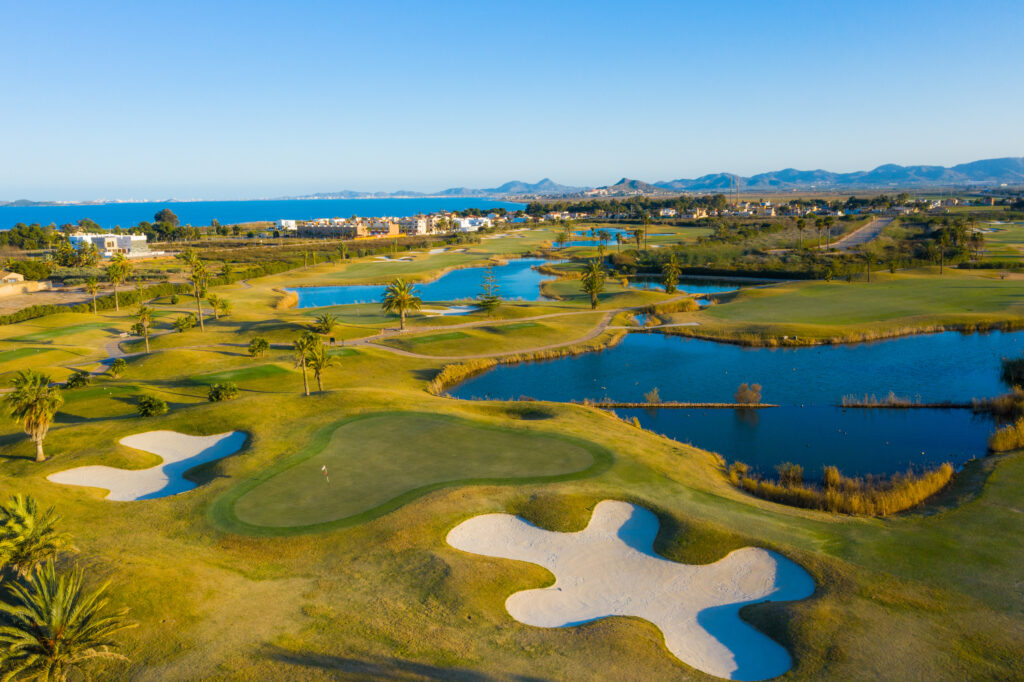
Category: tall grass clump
[454,374]
[1010,437]
[869,496]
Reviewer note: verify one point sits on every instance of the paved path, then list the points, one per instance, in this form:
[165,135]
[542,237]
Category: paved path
[861,236]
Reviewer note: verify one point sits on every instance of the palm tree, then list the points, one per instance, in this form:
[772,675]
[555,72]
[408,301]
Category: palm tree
[645,218]
[565,236]
[325,323]
[33,402]
[223,306]
[258,347]
[54,627]
[118,272]
[92,286]
[302,346]
[829,221]
[670,271]
[28,536]
[400,298]
[318,359]
[199,276]
[818,224]
[618,242]
[593,281]
[801,224]
[145,316]
[638,235]
[214,301]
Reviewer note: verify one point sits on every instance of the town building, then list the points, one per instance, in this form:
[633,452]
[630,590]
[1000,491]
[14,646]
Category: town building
[11,277]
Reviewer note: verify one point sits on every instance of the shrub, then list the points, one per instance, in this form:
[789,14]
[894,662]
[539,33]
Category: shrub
[220,392]
[1010,437]
[1013,371]
[790,474]
[174,299]
[185,322]
[652,396]
[29,269]
[258,347]
[150,406]
[117,367]
[748,394]
[78,379]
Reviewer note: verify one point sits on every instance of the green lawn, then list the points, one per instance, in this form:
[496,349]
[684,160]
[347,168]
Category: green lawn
[58,332]
[379,462]
[241,375]
[19,353]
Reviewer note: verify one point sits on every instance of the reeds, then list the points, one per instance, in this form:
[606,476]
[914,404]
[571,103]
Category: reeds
[869,496]
[1010,437]
[289,299]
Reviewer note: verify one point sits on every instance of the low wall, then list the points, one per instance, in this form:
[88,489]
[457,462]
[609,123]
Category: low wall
[23,288]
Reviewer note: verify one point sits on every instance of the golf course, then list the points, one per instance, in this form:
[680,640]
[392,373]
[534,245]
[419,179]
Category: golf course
[281,511]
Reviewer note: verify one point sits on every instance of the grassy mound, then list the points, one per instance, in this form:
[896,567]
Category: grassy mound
[377,463]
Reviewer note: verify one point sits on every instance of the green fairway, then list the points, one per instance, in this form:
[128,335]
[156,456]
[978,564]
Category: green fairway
[433,338]
[243,374]
[57,332]
[19,353]
[380,462]
[515,326]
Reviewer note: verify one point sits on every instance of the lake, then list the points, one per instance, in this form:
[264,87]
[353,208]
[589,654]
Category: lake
[693,286]
[517,280]
[229,212]
[808,382]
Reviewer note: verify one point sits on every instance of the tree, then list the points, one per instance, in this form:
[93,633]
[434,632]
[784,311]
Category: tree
[593,281]
[78,379]
[28,536]
[638,235]
[303,345]
[258,347]
[226,271]
[801,225]
[645,219]
[118,273]
[54,627]
[819,223]
[342,251]
[618,242]
[199,276]
[318,360]
[748,394]
[220,392]
[184,323]
[92,287]
[490,294]
[400,298]
[325,323]
[117,367]
[214,301]
[33,402]
[145,321]
[167,216]
[867,254]
[150,406]
[670,272]
[565,236]
[829,221]
[223,307]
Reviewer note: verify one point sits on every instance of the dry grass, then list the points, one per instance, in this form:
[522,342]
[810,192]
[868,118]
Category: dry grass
[873,496]
[1010,437]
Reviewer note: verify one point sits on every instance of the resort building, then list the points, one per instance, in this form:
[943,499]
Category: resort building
[667,213]
[131,245]
[11,277]
[287,225]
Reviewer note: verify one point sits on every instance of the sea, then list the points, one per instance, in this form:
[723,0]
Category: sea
[230,212]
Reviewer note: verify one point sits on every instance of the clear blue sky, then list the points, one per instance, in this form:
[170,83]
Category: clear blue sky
[252,99]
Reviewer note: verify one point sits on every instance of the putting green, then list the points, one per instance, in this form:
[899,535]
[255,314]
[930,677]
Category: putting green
[19,353]
[379,462]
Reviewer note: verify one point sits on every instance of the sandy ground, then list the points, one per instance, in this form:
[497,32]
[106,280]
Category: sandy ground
[610,569]
[180,453]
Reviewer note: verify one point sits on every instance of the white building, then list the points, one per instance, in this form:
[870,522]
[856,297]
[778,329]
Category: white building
[471,224]
[131,245]
[413,225]
[286,225]
[667,213]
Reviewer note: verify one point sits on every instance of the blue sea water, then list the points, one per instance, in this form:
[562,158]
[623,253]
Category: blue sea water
[229,212]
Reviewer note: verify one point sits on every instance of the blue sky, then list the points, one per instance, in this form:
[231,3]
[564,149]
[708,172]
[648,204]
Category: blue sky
[254,99]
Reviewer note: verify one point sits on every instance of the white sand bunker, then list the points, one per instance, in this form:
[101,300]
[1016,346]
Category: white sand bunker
[180,453]
[610,569]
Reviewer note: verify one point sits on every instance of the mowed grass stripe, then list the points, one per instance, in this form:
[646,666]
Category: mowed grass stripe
[380,462]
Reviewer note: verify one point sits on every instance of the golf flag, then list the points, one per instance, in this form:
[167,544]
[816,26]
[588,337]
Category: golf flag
[326,477]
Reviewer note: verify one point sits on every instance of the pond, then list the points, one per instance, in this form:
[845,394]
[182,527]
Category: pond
[693,286]
[516,281]
[808,382]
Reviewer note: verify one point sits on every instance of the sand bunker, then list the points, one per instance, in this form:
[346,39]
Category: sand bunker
[610,569]
[452,310]
[180,453]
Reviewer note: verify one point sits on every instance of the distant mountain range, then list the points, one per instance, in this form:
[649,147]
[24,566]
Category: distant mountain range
[1009,170]
[988,172]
